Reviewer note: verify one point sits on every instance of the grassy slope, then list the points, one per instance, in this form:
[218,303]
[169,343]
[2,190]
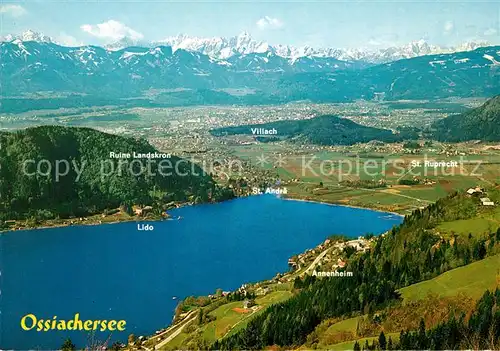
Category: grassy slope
[473,280]
[227,318]
[487,222]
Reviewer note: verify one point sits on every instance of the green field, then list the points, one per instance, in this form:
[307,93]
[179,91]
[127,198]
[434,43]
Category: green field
[343,330]
[310,167]
[229,321]
[345,325]
[472,280]
[488,221]
[474,226]
[430,193]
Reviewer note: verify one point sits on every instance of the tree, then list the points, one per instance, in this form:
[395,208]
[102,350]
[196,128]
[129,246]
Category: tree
[382,341]
[389,344]
[200,317]
[356,346]
[422,339]
[131,339]
[68,345]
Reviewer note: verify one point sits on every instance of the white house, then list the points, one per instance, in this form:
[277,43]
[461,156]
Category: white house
[487,202]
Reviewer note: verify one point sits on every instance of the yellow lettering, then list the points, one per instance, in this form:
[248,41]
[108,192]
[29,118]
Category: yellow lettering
[77,322]
[54,322]
[87,325]
[96,323]
[33,322]
[121,325]
[29,322]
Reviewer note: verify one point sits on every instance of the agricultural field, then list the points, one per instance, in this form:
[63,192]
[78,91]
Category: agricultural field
[321,173]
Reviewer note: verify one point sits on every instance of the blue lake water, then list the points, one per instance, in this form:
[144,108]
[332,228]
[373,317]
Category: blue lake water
[117,272]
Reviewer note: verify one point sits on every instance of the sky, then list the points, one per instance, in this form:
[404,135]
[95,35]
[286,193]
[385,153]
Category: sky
[340,24]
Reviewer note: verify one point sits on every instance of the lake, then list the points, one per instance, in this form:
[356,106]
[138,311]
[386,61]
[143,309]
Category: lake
[116,272]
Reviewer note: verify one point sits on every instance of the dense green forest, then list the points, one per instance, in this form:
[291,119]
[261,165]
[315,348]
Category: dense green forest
[323,130]
[406,255]
[89,180]
[482,123]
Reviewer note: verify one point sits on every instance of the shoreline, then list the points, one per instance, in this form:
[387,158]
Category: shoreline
[78,224]
[285,274]
[342,205]
[158,219]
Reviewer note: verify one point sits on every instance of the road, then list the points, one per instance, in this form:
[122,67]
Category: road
[178,329]
[316,261]
[384,191]
[244,319]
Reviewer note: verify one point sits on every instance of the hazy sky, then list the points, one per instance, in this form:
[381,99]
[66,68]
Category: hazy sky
[315,23]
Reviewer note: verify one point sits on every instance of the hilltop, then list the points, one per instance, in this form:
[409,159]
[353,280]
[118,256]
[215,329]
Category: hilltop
[482,123]
[59,172]
[323,130]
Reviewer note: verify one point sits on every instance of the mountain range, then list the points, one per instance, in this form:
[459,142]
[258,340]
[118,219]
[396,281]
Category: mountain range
[243,44]
[189,77]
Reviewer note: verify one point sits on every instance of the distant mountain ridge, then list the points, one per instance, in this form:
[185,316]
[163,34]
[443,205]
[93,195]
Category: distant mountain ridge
[220,47]
[244,44]
[31,67]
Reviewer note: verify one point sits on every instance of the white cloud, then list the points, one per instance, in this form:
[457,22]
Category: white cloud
[384,39]
[111,29]
[449,26]
[374,42]
[13,10]
[68,40]
[267,22]
[490,31]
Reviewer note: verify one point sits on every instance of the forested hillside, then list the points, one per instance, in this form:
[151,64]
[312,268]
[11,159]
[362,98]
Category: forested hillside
[323,130]
[30,186]
[479,331]
[407,254]
[482,123]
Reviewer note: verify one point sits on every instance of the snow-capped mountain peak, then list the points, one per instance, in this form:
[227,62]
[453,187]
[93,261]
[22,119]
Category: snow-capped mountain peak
[222,48]
[217,47]
[29,35]
[243,44]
